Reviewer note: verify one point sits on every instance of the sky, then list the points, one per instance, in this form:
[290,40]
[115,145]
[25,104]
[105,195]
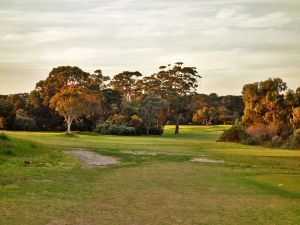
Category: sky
[231,42]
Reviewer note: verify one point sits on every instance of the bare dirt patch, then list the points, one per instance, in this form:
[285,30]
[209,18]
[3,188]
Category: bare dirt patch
[92,159]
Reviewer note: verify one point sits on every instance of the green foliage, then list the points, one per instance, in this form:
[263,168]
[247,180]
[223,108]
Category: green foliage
[7,114]
[115,129]
[234,134]
[25,124]
[153,111]
[294,140]
[126,83]
[116,119]
[156,131]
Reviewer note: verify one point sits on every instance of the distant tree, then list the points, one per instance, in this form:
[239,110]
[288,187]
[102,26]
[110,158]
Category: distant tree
[264,102]
[61,78]
[74,102]
[296,118]
[126,83]
[225,115]
[152,111]
[111,102]
[205,115]
[173,84]
[97,81]
[7,114]
[19,101]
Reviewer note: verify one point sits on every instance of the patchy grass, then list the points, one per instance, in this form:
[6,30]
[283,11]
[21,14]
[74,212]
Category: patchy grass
[40,184]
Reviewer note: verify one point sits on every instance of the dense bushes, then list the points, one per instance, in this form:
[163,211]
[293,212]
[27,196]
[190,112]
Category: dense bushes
[115,129]
[294,140]
[156,131]
[123,129]
[269,136]
[25,123]
[235,134]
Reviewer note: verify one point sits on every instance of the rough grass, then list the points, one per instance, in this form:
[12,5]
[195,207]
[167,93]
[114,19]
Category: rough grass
[39,184]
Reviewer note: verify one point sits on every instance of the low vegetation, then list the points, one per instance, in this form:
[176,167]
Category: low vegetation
[41,184]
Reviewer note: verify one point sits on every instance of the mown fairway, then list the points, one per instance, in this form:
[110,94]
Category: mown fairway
[255,185]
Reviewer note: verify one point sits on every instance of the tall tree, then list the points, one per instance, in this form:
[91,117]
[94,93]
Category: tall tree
[7,114]
[126,83]
[74,102]
[173,84]
[61,78]
[152,111]
[264,102]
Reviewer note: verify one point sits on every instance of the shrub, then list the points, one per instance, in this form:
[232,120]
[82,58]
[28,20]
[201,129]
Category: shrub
[234,134]
[285,130]
[116,119]
[114,129]
[103,128]
[262,131]
[156,131]
[294,140]
[276,141]
[136,121]
[25,123]
[83,125]
[129,131]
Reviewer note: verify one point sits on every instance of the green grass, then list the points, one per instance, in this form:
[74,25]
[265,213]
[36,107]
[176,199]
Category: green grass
[41,184]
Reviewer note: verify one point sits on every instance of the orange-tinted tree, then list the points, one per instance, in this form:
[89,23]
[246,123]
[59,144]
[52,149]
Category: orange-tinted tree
[74,102]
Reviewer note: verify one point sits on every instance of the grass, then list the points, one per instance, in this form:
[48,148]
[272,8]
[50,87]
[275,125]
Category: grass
[40,184]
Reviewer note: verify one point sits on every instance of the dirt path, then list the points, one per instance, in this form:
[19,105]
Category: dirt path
[92,159]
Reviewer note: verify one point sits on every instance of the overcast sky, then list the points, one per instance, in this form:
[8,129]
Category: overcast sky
[231,42]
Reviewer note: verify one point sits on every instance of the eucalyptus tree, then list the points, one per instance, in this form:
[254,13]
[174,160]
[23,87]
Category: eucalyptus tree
[126,83]
[174,84]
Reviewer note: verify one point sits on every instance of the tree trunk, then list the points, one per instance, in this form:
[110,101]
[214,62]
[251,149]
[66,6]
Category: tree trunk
[177,125]
[69,121]
[69,127]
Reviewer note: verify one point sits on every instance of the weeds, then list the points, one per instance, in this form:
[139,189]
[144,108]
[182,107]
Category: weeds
[6,145]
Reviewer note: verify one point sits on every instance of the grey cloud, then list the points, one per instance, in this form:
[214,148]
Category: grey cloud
[226,40]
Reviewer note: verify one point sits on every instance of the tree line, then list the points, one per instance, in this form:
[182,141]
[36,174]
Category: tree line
[271,116]
[126,104]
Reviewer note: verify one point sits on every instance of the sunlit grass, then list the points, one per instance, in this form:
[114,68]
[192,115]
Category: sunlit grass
[41,184]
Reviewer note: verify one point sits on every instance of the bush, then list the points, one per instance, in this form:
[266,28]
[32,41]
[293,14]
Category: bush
[128,131]
[25,123]
[234,134]
[83,125]
[294,140]
[262,131]
[156,131]
[114,129]
[116,119]
[276,141]
[103,128]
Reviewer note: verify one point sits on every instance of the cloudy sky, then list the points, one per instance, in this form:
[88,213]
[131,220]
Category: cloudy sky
[231,42]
